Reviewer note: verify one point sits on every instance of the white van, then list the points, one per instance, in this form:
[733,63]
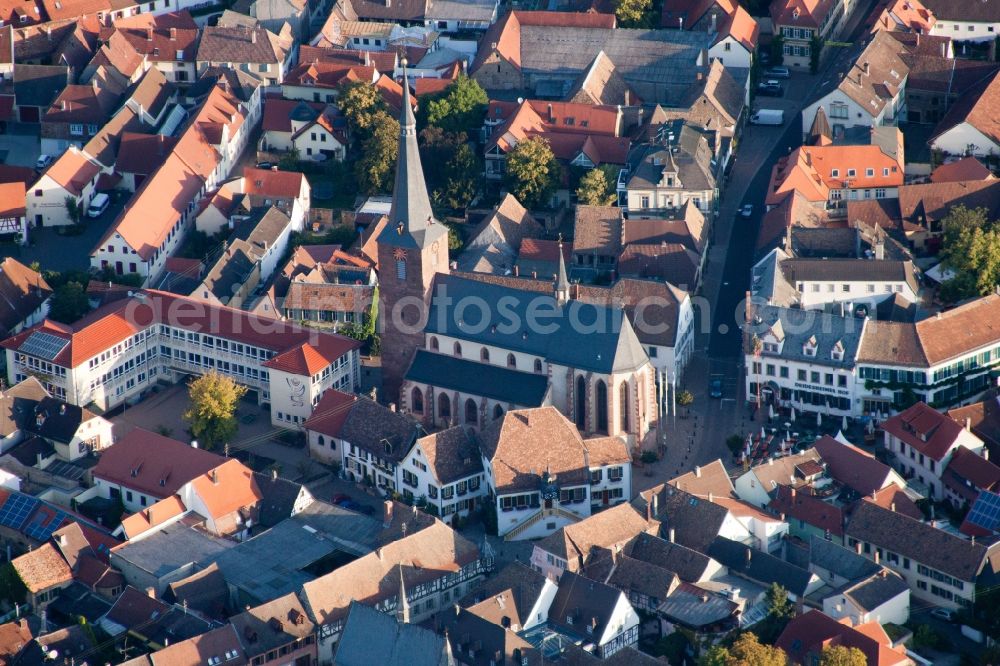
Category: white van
[98,205]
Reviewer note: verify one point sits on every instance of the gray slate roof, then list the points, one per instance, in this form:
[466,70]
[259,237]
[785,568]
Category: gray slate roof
[877,590]
[760,566]
[587,601]
[689,153]
[919,541]
[411,206]
[658,64]
[800,325]
[172,548]
[373,637]
[497,315]
[840,560]
[524,389]
[688,564]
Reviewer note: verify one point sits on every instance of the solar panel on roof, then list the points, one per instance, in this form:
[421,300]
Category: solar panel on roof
[16,510]
[43,345]
[985,511]
[44,524]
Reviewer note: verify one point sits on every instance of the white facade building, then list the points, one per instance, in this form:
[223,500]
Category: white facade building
[117,355]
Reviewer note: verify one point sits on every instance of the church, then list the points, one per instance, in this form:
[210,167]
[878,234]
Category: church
[464,348]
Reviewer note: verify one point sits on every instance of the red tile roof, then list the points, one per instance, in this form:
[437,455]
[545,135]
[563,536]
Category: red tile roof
[143,153]
[73,171]
[157,514]
[980,472]
[925,429]
[12,200]
[967,168]
[801,505]
[273,183]
[228,488]
[853,467]
[806,635]
[330,413]
[121,319]
[153,464]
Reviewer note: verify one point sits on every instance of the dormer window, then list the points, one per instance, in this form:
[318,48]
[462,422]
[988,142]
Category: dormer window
[837,353]
[835,173]
[809,348]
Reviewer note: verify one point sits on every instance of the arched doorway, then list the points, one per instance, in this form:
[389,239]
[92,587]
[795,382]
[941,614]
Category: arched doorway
[581,403]
[602,406]
[444,407]
[417,401]
[471,412]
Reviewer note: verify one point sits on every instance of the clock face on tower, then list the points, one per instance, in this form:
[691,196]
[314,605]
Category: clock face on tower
[399,254]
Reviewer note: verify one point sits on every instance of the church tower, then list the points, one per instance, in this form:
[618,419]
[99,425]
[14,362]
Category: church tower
[411,249]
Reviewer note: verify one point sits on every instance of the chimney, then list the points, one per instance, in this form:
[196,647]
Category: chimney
[551,116]
[867,68]
[712,26]
[387,513]
[697,471]
[194,443]
[791,491]
[151,592]
[968,424]
[672,535]
[986,453]
[63,105]
[892,507]
[857,548]
[392,407]
[149,515]
[173,34]
[749,556]
[944,50]
[875,555]
[711,497]
[274,474]
[149,34]
[517,271]
[215,477]
[253,36]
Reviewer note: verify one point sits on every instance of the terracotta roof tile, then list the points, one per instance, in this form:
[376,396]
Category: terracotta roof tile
[801,505]
[967,168]
[157,514]
[452,454]
[227,488]
[42,569]
[608,529]
[977,108]
[73,170]
[806,635]
[924,428]
[153,464]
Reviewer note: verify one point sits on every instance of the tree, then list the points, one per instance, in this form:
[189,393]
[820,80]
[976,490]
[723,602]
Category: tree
[451,167]
[633,13]
[360,102]
[379,152]
[715,656]
[460,108]
[749,651]
[69,303]
[778,605]
[815,51]
[532,172]
[595,190]
[74,209]
[971,250]
[841,655]
[212,414]
[290,160]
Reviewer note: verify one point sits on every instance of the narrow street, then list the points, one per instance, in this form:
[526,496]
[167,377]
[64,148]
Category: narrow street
[698,435]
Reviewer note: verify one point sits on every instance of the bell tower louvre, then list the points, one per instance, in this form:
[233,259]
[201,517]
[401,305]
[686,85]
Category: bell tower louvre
[412,248]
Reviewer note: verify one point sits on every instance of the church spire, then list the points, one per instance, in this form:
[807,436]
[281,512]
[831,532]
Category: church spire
[562,282]
[402,606]
[411,220]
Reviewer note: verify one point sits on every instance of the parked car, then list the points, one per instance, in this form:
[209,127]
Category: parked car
[944,614]
[770,89]
[98,205]
[746,210]
[43,162]
[778,73]
[715,388]
[265,165]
